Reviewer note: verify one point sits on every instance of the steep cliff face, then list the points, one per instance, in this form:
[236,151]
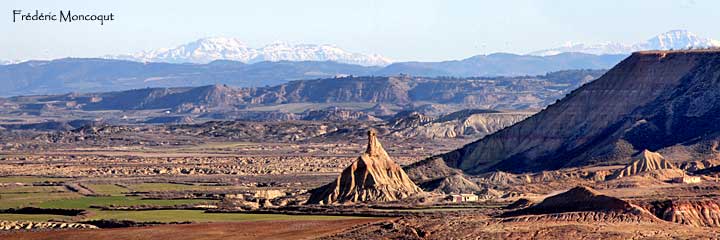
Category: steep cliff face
[350,89]
[181,99]
[651,100]
[704,213]
[373,177]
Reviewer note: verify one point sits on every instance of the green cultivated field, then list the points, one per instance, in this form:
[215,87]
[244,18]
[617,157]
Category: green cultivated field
[107,189]
[15,200]
[86,202]
[149,187]
[172,216]
[23,196]
[23,179]
[33,189]
[115,190]
[60,197]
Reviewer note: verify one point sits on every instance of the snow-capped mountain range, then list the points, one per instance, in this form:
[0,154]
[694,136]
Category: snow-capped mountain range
[224,48]
[8,62]
[675,39]
[220,48]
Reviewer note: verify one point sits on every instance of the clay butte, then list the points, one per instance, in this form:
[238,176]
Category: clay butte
[373,177]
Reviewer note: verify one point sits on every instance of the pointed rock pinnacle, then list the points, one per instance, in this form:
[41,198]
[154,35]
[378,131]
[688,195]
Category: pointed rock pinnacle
[374,148]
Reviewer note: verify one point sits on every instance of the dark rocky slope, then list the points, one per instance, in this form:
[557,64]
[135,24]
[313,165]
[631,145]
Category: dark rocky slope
[651,100]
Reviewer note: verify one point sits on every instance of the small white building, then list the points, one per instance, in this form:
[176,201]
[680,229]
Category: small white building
[687,179]
[464,197]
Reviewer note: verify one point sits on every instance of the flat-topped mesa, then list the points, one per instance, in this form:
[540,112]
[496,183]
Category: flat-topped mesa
[373,177]
[650,100]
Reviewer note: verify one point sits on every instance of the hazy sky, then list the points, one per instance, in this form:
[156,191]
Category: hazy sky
[399,29]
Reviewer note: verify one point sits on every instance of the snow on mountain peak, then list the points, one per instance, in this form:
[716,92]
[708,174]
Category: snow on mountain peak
[220,48]
[679,39]
[674,39]
[8,62]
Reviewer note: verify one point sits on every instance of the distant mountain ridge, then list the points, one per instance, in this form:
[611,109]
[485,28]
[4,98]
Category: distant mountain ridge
[500,92]
[503,64]
[674,39]
[102,75]
[207,50]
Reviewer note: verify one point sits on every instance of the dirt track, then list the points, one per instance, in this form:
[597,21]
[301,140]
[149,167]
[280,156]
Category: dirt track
[242,230]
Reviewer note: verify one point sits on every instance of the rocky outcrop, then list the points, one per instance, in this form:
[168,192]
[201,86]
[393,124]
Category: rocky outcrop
[703,213]
[257,116]
[336,114]
[582,204]
[28,225]
[490,193]
[429,170]
[577,199]
[651,100]
[698,165]
[502,178]
[464,124]
[646,162]
[171,120]
[520,203]
[604,217]
[380,110]
[409,119]
[453,184]
[179,99]
[373,177]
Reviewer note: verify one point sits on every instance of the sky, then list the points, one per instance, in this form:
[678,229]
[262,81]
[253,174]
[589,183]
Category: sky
[403,30]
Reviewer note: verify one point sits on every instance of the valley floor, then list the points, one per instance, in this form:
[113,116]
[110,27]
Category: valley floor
[213,189]
[468,227]
[299,229]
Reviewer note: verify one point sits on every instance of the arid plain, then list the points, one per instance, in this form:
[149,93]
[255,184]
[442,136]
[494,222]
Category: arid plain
[632,153]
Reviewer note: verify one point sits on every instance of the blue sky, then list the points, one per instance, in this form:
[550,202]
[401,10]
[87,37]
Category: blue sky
[402,29]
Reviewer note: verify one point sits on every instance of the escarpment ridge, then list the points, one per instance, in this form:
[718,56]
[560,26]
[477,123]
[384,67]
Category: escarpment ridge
[651,100]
